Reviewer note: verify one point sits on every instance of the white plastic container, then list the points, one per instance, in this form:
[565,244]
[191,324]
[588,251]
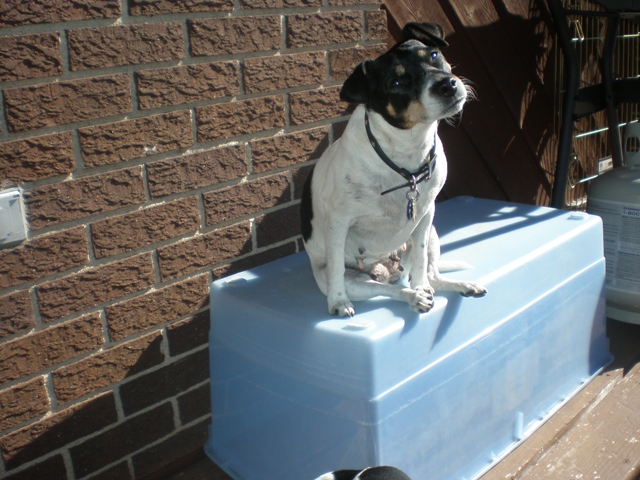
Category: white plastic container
[296,392]
[615,197]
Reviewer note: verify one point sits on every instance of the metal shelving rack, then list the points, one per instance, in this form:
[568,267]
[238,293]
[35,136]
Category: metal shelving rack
[598,90]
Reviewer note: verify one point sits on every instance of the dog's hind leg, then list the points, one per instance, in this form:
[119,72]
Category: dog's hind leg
[438,282]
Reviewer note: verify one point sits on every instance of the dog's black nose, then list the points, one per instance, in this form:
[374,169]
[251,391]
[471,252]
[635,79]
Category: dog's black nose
[447,87]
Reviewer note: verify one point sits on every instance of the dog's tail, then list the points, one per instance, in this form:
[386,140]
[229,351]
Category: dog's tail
[453,265]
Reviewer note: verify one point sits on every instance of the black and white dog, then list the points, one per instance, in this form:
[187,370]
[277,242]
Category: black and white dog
[373,473]
[367,207]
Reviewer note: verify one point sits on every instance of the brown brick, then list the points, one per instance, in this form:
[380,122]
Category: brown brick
[121,440]
[52,468]
[204,250]
[58,430]
[36,351]
[195,404]
[250,4]
[312,29]
[94,286]
[194,171]
[137,138]
[188,334]
[343,61]
[217,122]
[186,84]
[246,198]
[165,382]
[254,260]
[285,150]
[19,12]
[83,197]
[107,367]
[144,227]
[315,105]
[159,7]
[228,36]
[23,402]
[265,74]
[125,45]
[41,106]
[160,306]
[277,226]
[155,458]
[16,313]
[30,56]
[42,256]
[376,21]
[353,2]
[36,158]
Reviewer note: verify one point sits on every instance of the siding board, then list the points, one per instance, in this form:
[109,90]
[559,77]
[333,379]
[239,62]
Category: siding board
[502,47]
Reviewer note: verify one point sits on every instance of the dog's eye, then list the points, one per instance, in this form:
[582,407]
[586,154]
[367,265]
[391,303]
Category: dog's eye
[434,55]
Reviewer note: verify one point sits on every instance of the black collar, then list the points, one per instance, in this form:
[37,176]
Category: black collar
[413,178]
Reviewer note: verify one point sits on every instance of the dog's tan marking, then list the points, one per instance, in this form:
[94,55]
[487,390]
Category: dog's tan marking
[414,114]
[422,52]
[391,110]
[400,70]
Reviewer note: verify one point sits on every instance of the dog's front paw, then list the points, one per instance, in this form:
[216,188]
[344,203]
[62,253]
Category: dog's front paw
[342,308]
[473,290]
[421,299]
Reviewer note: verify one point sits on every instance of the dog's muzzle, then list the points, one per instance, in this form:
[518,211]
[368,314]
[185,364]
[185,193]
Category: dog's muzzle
[447,87]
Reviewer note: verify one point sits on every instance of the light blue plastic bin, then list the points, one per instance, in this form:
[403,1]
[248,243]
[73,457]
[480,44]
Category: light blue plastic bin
[442,395]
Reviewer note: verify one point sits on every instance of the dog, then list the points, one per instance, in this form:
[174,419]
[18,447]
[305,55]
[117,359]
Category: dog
[373,473]
[367,206]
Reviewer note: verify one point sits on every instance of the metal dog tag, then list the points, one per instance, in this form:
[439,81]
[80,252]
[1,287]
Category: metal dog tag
[412,197]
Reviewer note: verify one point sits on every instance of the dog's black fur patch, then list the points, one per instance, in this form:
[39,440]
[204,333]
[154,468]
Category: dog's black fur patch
[391,84]
[428,33]
[375,473]
[306,209]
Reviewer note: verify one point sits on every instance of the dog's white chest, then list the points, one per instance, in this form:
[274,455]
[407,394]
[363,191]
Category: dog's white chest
[349,181]
[384,228]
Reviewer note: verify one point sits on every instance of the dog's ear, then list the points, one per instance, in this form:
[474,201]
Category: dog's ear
[428,33]
[355,89]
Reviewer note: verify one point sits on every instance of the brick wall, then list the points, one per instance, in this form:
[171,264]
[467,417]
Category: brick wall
[159,145]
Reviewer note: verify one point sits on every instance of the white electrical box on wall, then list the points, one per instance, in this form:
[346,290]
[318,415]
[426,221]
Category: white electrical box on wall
[11,218]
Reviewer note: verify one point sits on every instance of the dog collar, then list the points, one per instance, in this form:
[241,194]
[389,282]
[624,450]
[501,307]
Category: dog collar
[413,178]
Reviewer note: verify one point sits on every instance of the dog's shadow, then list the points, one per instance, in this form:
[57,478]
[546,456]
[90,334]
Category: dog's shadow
[500,222]
[454,301]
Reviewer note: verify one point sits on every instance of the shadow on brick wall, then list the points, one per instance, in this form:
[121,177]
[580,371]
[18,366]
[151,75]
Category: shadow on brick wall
[280,227]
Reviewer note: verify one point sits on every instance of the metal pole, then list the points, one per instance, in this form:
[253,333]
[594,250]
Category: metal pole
[572,79]
[607,79]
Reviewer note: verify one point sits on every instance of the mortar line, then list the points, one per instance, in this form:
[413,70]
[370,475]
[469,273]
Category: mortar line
[68,463]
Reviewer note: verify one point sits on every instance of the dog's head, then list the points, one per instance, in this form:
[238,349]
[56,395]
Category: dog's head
[411,83]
